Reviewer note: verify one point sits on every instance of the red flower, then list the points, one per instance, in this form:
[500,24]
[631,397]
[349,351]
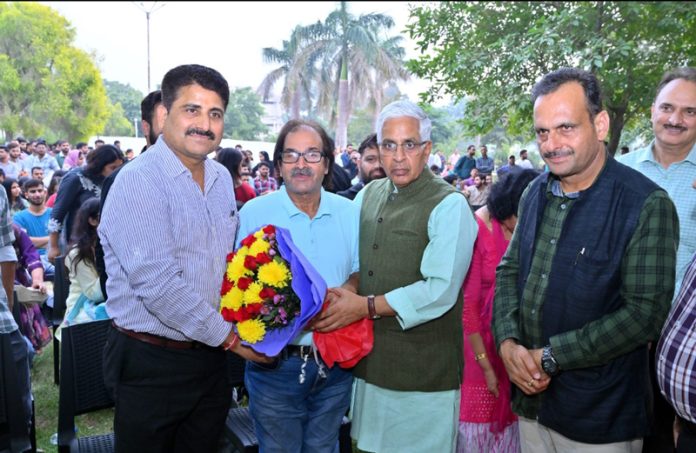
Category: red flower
[244,282]
[267,293]
[230,256]
[226,286]
[247,241]
[253,309]
[263,258]
[269,229]
[250,263]
[227,314]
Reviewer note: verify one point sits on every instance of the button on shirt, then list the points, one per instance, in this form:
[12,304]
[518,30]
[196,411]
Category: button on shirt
[165,246]
[678,181]
[676,351]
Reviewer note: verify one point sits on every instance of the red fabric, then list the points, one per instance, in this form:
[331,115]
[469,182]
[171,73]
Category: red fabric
[347,345]
[478,405]
[51,200]
[244,193]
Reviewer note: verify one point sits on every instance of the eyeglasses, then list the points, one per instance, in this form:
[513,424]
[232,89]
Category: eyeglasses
[409,146]
[290,156]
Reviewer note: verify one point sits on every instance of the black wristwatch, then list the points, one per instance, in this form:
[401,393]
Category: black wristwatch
[548,362]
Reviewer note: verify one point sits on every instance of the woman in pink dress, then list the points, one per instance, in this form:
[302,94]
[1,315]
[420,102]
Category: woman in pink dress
[486,421]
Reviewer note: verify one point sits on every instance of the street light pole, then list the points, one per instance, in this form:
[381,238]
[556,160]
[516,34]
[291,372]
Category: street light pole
[148,13]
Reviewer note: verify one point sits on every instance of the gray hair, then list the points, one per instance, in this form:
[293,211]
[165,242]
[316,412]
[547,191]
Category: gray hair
[399,109]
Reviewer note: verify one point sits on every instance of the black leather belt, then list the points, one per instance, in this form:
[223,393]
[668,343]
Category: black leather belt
[298,351]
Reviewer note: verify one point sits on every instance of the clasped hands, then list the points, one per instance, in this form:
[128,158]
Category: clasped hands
[524,367]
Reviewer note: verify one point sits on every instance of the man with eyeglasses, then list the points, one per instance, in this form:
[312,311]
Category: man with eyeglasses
[416,239]
[297,403]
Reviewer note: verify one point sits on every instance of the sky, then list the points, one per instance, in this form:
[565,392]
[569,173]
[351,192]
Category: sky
[227,36]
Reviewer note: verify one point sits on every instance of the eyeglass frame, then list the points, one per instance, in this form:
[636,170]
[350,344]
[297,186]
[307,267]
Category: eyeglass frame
[417,147]
[302,155]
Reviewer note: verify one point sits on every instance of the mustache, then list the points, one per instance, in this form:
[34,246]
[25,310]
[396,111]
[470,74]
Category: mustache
[306,171]
[197,131]
[674,126]
[557,153]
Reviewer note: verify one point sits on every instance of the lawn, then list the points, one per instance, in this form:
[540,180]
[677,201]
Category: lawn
[46,405]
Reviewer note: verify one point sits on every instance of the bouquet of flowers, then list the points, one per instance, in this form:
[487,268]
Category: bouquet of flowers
[270,291]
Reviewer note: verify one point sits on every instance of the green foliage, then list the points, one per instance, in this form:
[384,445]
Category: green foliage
[47,87]
[243,116]
[494,52]
[127,96]
[117,124]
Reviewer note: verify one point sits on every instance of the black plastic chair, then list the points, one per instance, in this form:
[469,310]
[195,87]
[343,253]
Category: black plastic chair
[239,428]
[82,387]
[61,288]
[13,434]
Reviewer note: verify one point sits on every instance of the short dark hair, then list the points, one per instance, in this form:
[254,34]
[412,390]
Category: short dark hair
[36,168]
[504,196]
[190,74]
[263,163]
[686,73]
[31,183]
[80,145]
[147,105]
[230,158]
[590,86]
[326,150]
[369,142]
[523,151]
[100,158]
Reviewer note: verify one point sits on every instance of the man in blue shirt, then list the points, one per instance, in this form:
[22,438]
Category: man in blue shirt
[298,403]
[484,164]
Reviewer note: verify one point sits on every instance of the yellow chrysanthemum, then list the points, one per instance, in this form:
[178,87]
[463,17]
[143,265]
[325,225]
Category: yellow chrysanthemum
[233,299]
[259,246]
[274,274]
[259,234]
[252,331]
[236,268]
[251,295]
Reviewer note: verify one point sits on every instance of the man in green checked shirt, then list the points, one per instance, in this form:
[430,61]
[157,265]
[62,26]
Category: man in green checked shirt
[586,282]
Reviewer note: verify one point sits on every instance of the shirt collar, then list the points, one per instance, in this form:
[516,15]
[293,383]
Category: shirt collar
[647,154]
[173,167]
[292,210]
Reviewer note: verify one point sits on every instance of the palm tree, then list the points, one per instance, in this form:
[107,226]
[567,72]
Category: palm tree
[354,62]
[296,71]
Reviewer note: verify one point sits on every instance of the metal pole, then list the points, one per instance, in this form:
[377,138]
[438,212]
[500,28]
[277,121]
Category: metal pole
[147,17]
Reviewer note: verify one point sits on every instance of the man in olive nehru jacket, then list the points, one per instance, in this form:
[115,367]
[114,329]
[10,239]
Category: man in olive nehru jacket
[416,239]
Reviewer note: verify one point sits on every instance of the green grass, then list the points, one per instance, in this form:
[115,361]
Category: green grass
[46,405]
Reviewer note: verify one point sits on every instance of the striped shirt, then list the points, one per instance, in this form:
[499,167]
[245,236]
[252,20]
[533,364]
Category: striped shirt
[676,351]
[7,253]
[165,246]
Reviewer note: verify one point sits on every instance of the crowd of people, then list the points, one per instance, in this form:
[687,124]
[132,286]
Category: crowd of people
[513,309]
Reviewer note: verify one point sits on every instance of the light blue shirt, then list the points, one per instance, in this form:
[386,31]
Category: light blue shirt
[329,241]
[165,247]
[679,181]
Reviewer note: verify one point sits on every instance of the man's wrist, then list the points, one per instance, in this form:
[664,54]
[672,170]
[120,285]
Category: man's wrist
[230,342]
[371,311]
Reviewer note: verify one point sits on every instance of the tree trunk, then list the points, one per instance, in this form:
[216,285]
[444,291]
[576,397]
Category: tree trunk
[295,106]
[616,125]
[342,120]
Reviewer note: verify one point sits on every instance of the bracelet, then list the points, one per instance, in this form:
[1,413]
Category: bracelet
[229,345]
[372,313]
[481,356]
